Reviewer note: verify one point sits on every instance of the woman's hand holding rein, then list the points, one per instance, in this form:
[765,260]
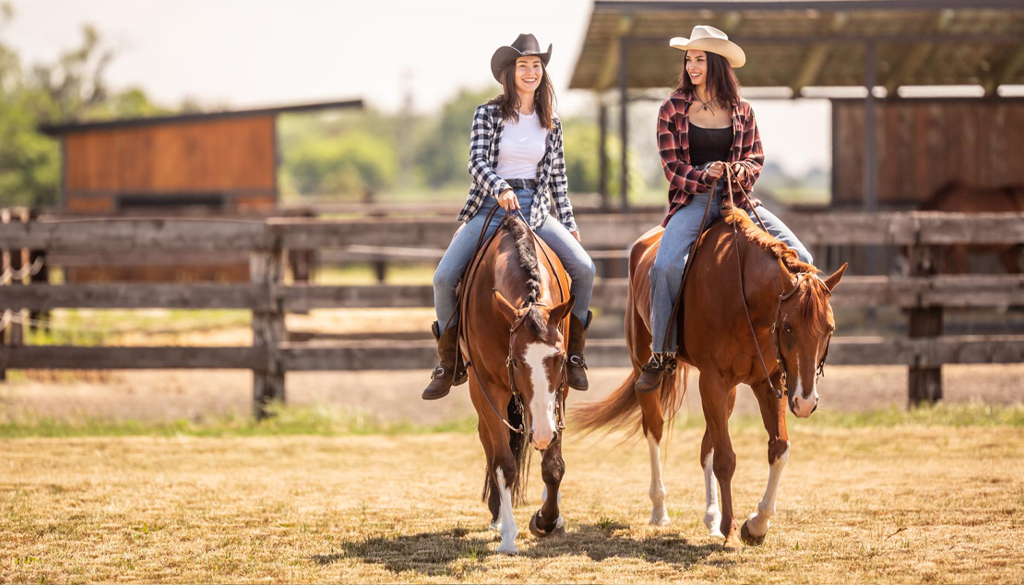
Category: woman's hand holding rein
[508,200]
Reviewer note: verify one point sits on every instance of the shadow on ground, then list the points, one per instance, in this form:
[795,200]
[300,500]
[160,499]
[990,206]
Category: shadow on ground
[459,551]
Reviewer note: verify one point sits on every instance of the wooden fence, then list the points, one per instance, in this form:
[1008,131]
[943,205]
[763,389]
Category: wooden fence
[269,298]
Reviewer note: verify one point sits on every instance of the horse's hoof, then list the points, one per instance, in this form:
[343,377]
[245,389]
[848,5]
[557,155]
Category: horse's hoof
[536,531]
[732,543]
[749,538]
[662,521]
[508,550]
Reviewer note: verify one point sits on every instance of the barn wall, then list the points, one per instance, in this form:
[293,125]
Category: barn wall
[925,144]
[231,155]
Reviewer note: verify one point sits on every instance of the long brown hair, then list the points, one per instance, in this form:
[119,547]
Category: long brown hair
[543,97]
[721,80]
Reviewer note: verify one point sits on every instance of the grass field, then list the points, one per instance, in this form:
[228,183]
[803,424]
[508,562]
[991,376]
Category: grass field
[934,495]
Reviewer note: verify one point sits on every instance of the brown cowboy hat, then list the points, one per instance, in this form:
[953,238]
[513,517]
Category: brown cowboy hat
[524,45]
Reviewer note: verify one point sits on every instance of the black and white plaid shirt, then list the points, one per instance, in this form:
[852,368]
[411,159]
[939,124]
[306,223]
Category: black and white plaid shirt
[483,159]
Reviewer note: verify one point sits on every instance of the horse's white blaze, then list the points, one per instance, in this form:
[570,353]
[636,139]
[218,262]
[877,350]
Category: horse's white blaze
[803,405]
[659,514]
[542,407]
[758,523]
[712,514]
[508,529]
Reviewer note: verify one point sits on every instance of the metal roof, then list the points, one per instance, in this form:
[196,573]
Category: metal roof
[58,129]
[800,43]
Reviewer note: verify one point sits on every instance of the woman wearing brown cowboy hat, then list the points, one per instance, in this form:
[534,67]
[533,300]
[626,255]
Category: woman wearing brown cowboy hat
[703,128]
[517,162]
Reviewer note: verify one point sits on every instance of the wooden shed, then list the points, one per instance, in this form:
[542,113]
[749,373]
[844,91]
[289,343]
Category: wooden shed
[222,163]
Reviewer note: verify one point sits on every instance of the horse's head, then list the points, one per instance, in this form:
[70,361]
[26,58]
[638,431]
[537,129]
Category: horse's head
[803,329]
[536,362]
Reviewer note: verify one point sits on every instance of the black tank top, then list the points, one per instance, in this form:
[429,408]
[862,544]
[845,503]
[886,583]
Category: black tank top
[709,144]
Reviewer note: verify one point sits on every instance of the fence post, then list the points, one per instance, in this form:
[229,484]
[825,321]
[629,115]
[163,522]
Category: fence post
[268,330]
[5,265]
[924,383]
[17,264]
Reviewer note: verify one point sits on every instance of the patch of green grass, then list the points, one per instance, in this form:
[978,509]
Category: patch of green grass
[94,327]
[365,273]
[964,414]
[329,420]
[319,420]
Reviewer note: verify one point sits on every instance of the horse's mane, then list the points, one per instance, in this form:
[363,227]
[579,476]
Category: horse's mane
[813,298]
[767,242]
[527,253]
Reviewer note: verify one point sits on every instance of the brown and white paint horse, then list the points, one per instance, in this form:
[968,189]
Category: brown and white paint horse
[790,312]
[515,313]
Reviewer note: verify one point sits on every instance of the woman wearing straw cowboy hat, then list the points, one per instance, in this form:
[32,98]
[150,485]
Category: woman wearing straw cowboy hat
[517,162]
[704,129]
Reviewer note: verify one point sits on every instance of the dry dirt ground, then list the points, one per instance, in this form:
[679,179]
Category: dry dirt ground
[895,505]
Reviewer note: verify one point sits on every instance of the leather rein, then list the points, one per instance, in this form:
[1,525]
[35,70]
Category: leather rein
[732,180]
[511,363]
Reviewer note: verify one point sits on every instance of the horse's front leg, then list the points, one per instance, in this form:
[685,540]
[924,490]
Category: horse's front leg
[505,477]
[548,520]
[773,414]
[717,399]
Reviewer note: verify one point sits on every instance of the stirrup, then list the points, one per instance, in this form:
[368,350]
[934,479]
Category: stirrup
[578,361]
[440,371]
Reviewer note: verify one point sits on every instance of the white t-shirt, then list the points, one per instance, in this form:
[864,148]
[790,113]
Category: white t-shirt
[522,148]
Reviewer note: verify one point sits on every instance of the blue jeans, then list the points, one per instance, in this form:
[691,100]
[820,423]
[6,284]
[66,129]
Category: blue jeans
[667,272]
[574,258]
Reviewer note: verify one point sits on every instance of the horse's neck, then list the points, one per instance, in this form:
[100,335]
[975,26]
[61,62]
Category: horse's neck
[761,280]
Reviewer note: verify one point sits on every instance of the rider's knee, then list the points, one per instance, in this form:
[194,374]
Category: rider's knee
[444,279]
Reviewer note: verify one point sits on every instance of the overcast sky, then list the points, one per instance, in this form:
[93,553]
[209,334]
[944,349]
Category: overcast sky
[252,53]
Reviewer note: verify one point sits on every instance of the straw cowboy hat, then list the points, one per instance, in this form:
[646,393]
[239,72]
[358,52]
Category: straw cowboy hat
[712,40]
[524,45]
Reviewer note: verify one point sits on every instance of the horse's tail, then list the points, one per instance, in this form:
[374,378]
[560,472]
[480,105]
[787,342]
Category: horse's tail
[621,409]
[614,412]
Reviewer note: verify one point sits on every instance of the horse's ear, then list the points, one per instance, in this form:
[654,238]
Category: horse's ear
[506,308]
[559,312]
[788,282]
[833,280]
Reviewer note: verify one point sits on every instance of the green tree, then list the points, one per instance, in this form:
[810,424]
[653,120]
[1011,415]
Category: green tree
[443,147]
[351,163]
[72,87]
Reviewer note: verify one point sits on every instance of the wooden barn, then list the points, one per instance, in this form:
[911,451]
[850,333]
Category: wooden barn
[221,164]
[828,48]
[892,149]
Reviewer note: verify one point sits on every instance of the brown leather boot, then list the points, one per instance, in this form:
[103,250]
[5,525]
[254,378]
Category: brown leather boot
[577,366]
[654,372]
[444,374]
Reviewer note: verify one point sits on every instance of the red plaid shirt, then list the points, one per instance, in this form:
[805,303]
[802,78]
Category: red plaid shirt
[686,180]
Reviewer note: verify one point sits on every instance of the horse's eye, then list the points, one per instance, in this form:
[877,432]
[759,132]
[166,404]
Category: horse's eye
[787,328]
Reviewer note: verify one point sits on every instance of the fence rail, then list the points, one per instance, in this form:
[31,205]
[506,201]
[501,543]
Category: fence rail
[266,295]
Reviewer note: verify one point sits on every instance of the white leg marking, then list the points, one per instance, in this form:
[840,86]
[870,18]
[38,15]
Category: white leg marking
[659,514]
[542,407]
[508,527]
[758,523]
[712,514]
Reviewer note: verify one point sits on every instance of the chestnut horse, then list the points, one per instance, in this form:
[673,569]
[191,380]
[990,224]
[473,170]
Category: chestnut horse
[515,311]
[959,197]
[789,309]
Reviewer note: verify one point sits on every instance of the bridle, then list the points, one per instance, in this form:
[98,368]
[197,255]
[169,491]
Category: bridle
[777,330]
[511,363]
